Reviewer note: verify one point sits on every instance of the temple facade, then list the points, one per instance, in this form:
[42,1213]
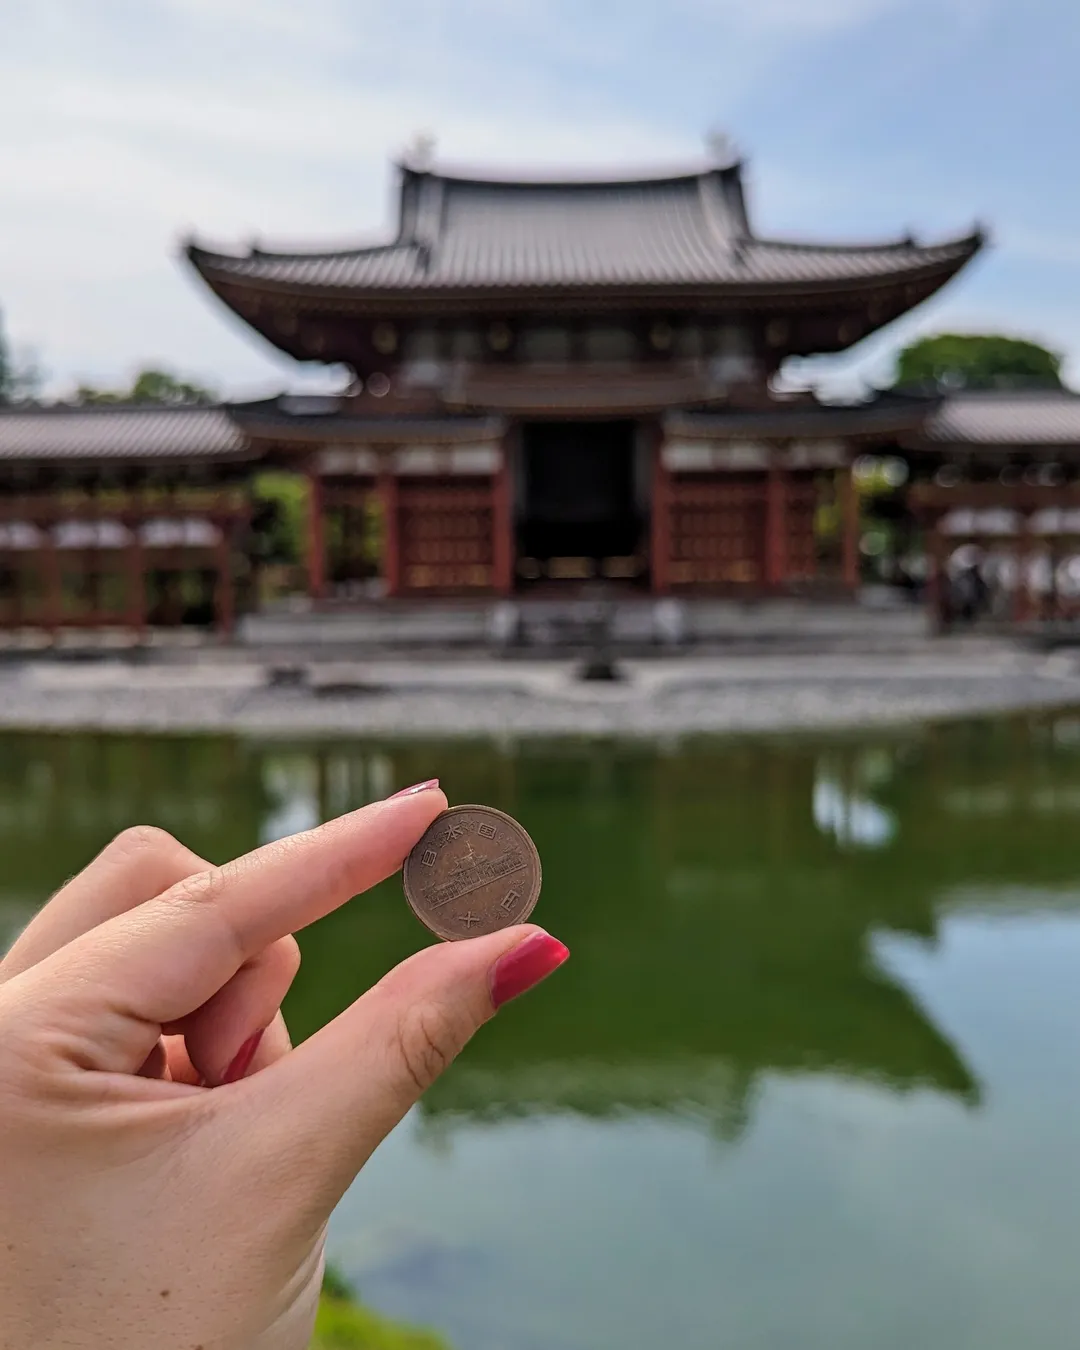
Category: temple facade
[996,494]
[122,517]
[558,382]
[554,384]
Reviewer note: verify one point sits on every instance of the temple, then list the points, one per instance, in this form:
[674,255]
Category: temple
[553,384]
[563,381]
[129,518]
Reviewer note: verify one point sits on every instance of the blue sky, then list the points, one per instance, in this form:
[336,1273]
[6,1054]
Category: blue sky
[127,123]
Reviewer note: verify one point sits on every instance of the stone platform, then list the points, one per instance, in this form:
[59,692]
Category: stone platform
[541,628]
[657,698]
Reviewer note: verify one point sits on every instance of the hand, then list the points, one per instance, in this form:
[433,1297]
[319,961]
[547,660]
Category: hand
[167,1162]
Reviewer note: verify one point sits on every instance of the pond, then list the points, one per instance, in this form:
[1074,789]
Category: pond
[810,1079]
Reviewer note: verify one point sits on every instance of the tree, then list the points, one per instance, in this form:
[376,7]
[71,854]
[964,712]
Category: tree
[158,386]
[150,386]
[978,361]
[21,376]
[5,367]
[27,376]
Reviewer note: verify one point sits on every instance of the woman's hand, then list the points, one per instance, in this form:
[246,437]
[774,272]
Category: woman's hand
[167,1162]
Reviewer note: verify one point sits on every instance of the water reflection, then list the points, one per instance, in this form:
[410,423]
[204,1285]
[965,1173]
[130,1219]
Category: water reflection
[849,962]
[843,805]
[724,903]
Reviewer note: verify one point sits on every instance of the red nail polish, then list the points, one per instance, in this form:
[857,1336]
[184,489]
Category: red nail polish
[242,1062]
[412,791]
[525,965]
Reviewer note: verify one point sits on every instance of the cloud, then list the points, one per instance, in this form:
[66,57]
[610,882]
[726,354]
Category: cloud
[123,126]
[120,151]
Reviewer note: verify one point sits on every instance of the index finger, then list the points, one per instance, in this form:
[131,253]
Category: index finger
[134,867]
[159,962]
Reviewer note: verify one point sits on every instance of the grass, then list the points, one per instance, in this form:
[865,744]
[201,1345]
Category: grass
[344,1324]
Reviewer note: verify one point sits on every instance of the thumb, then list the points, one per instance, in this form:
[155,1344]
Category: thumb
[334,1098]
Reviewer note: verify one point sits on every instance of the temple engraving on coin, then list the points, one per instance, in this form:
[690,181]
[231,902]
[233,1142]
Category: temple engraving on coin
[474,871]
[471,874]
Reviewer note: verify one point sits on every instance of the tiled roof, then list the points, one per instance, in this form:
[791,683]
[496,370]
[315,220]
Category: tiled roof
[288,418]
[1007,417]
[119,432]
[642,390]
[686,230]
[884,417]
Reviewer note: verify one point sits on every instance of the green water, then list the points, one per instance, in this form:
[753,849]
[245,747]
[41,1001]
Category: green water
[812,1076]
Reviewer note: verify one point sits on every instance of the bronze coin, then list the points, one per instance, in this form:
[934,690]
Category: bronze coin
[474,871]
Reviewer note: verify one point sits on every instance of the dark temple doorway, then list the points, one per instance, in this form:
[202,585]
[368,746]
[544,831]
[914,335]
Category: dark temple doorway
[579,514]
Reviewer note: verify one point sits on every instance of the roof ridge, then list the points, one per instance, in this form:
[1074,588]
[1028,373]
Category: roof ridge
[59,408]
[564,178]
[733,242]
[876,246]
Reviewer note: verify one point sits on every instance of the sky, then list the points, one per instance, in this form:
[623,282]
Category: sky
[126,125]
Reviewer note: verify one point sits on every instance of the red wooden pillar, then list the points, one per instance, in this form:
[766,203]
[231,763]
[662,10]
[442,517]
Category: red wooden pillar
[93,557]
[776,525]
[849,515]
[136,579]
[226,600]
[1051,605]
[18,594]
[502,527]
[1022,595]
[53,579]
[660,533]
[388,495]
[316,536]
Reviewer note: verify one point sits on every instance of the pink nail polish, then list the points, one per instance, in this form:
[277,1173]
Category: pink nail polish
[525,965]
[242,1061]
[418,787]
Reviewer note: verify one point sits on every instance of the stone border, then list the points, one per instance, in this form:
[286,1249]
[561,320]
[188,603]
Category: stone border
[687,696]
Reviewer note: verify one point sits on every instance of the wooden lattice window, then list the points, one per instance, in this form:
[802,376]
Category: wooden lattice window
[717,530]
[445,534]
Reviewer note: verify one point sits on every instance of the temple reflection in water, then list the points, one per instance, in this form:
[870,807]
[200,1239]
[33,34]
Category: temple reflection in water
[725,903]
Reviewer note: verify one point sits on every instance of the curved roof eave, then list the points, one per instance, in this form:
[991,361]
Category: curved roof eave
[943,260]
[644,175]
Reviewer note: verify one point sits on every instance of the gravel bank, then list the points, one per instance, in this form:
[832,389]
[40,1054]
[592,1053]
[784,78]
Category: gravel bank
[678,698]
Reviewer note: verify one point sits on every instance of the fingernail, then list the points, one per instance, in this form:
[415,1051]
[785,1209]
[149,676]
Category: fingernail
[527,964]
[418,787]
[242,1061]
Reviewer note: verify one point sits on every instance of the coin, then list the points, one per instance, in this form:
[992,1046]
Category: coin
[474,871]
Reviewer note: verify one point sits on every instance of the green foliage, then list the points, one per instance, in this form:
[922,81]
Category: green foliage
[150,385]
[5,367]
[87,393]
[159,386]
[878,475]
[978,361]
[335,1285]
[280,522]
[342,1324]
[20,375]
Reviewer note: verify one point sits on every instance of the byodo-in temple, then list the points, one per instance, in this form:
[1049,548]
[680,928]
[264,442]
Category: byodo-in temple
[555,384]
